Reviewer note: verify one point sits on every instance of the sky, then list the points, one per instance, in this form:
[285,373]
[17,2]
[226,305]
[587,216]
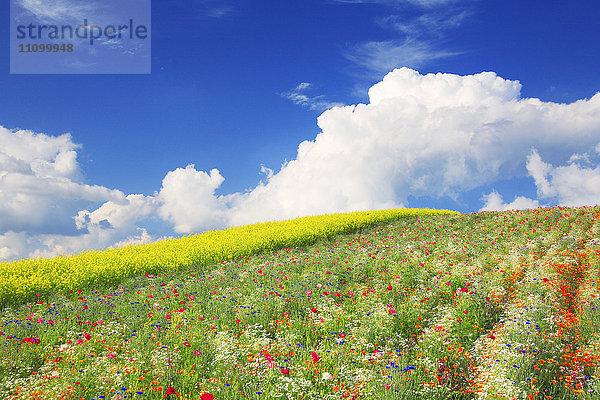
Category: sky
[246,111]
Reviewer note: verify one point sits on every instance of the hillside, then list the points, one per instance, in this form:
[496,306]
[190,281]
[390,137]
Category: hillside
[485,305]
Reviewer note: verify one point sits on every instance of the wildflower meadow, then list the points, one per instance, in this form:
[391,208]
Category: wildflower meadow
[490,305]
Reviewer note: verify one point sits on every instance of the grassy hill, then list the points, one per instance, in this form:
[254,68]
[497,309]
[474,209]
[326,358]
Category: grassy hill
[485,305]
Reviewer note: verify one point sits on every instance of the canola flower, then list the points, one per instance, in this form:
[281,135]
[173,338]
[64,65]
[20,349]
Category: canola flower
[477,306]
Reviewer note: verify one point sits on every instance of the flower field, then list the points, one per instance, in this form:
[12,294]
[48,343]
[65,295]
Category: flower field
[24,279]
[477,306]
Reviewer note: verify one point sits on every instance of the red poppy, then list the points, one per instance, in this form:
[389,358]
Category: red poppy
[207,396]
[170,390]
[315,356]
[313,310]
[268,356]
[285,371]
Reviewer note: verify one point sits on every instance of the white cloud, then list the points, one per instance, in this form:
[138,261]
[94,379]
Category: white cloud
[60,10]
[215,8]
[539,171]
[316,103]
[428,3]
[382,56]
[572,185]
[118,215]
[188,200]
[431,24]
[494,202]
[580,158]
[219,12]
[41,183]
[420,3]
[419,40]
[141,237]
[421,135]
[13,245]
[42,190]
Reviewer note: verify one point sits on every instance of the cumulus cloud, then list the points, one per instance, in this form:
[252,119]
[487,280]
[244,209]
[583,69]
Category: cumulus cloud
[418,135]
[141,237]
[42,190]
[13,245]
[494,202]
[188,200]
[41,183]
[571,185]
[117,215]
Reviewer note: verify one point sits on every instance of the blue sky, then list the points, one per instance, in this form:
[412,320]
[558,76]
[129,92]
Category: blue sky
[236,86]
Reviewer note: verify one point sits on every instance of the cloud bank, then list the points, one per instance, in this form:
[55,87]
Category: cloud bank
[419,135]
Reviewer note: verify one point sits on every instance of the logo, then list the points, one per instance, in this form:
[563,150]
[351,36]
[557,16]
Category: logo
[80,37]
